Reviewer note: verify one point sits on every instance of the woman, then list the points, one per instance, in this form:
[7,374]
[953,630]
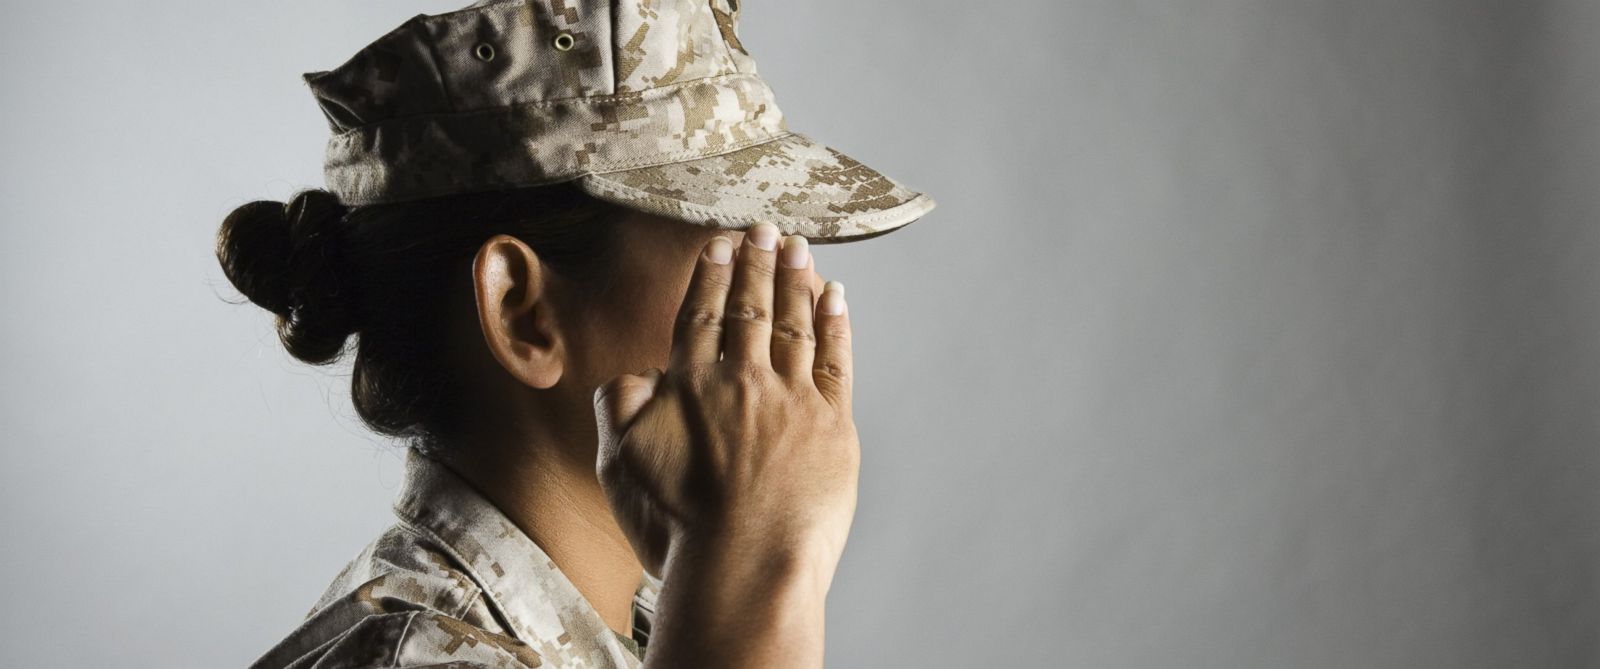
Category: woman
[522,215]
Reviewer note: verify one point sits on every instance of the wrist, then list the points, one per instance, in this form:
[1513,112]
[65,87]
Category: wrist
[796,558]
[794,544]
[744,599]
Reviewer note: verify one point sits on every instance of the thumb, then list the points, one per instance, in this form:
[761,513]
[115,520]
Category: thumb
[618,401]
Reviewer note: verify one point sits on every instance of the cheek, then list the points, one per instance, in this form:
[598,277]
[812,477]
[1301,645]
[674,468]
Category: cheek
[640,329]
[657,304]
[657,263]
[655,325]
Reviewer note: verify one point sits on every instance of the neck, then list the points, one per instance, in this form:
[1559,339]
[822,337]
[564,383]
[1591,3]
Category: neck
[559,504]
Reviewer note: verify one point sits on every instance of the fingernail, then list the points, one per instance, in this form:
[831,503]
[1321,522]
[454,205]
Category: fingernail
[763,235]
[795,250]
[833,298]
[720,251]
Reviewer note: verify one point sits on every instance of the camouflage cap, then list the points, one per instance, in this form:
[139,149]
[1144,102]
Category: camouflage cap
[651,104]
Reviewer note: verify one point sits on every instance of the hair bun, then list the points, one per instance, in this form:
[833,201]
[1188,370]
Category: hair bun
[286,257]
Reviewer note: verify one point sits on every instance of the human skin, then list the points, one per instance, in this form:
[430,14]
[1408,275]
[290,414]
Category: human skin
[548,346]
[733,472]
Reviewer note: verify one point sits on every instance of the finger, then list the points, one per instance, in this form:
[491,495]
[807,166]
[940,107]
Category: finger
[793,340]
[747,323]
[697,335]
[618,402]
[833,370]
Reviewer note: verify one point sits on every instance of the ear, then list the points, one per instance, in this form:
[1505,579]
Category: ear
[515,312]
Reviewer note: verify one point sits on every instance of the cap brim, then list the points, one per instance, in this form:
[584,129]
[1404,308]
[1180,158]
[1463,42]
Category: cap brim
[801,186]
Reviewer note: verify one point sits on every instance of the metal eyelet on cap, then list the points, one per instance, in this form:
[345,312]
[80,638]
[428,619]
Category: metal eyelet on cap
[484,51]
[564,42]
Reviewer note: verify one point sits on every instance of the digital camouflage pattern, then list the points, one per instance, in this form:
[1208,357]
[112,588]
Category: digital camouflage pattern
[652,104]
[454,583]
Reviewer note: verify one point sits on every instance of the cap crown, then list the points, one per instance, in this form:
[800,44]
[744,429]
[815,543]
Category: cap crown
[438,64]
[510,93]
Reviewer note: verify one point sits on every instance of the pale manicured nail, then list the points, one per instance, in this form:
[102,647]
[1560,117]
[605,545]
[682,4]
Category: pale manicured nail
[763,235]
[720,251]
[795,250]
[833,298]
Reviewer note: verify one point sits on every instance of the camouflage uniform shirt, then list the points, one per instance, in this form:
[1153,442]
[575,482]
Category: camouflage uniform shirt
[455,583]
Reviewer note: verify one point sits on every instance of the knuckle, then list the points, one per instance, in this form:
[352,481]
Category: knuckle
[832,370]
[792,333]
[700,318]
[607,392]
[748,313]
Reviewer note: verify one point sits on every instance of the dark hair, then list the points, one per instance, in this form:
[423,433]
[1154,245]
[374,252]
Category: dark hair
[398,276]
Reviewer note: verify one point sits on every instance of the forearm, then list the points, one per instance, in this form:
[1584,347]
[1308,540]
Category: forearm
[727,602]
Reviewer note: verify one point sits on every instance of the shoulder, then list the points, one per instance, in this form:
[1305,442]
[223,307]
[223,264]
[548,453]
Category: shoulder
[408,639]
[403,601]
[402,570]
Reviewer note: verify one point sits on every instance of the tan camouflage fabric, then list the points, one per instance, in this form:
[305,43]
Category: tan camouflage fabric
[454,583]
[655,105]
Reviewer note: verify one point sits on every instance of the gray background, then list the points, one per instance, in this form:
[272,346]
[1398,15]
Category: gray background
[1249,333]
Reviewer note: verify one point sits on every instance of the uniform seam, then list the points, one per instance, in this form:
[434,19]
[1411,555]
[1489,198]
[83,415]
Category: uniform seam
[682,156]
[399,643]
[466,603]
[616,43]
[438,71]
[727,49]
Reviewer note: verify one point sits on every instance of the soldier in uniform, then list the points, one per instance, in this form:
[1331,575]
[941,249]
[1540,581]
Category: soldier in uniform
[566,245]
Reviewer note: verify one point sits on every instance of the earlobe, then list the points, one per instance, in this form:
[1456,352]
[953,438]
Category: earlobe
[514,311]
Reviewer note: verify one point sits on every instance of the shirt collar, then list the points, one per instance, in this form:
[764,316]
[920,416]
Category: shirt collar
[520,582]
